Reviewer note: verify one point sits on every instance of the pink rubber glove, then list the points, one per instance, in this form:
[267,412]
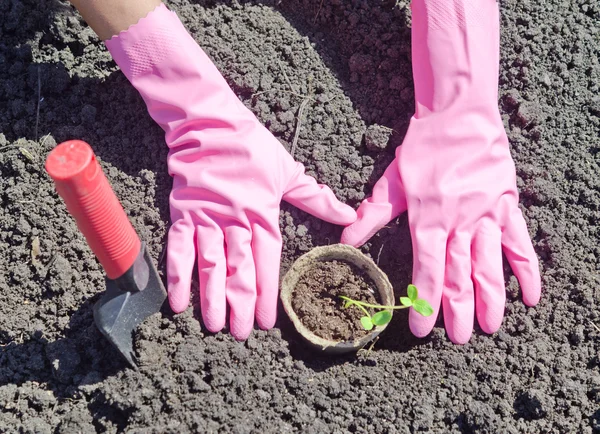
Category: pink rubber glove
[454,174]
[229,176]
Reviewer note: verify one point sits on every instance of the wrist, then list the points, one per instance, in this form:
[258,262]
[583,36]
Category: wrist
[455,53]
[110,17]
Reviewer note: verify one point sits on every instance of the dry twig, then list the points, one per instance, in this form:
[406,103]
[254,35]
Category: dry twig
[318,12]
[298,124]
[39,101]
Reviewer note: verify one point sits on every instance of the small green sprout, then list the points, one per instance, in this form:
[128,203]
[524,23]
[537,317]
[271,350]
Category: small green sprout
[384,316]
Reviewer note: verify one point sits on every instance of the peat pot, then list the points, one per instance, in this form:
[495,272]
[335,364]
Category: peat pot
[309,263]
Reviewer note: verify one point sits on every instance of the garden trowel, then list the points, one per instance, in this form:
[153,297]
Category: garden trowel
[134,290]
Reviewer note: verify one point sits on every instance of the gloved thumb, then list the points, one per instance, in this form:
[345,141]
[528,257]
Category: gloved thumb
[303,192]
[387,202]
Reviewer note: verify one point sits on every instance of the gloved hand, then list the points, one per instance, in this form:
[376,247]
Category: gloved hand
[455,175]
[229,176]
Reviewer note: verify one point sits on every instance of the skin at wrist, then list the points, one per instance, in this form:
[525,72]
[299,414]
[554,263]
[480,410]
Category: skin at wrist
[109,17]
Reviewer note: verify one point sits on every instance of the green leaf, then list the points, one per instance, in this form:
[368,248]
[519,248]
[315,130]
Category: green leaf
[423,307]
[381,318]
[413,294]
[405,301]
[347,304]
[366,323]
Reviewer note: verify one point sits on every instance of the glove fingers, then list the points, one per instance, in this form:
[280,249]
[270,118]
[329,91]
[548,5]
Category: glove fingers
[387,202]
[522,258]
[429,255]
[266,247]
[181,255]
[458,298]
[211,274]
[241,281]
[488,277]
[303,192]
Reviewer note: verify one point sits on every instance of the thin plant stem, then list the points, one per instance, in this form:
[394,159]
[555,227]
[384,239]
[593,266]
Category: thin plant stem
[374,306]
[357,305]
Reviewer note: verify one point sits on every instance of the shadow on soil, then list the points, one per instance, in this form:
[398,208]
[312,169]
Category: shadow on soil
[83,356]
[111,104]
[391,247]
[43,97]
[364,82]
[595,421]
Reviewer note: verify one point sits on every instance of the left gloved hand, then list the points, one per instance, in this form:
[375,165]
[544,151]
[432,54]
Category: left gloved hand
[229,177]
[455,175]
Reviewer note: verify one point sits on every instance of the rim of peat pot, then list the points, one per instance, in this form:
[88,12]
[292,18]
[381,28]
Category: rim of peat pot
[340,252]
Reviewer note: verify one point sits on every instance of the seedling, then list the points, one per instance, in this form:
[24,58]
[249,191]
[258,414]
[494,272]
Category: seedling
[384,316]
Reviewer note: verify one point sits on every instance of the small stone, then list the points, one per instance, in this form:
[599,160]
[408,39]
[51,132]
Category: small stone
[60,276]
[263,396]
[301,230]
[377,137]
[147,176]
[529,113]
[546,80]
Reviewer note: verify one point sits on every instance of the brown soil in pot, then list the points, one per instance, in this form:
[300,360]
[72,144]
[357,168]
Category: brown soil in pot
[318,306]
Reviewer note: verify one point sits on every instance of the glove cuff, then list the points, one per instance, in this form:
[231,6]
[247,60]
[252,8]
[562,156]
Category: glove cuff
[444,14]
[183,90]
[147,43]
[455,52]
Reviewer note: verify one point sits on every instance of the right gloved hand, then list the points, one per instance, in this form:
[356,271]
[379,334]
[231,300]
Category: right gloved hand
[455,175]
[229,176]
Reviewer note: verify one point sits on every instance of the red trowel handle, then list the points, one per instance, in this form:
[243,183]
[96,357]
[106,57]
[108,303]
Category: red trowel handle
[81,183]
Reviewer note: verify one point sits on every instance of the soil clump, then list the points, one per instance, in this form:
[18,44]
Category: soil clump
[318,305]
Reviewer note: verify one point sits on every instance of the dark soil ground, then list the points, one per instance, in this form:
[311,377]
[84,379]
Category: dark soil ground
[316,300]
[539,373]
